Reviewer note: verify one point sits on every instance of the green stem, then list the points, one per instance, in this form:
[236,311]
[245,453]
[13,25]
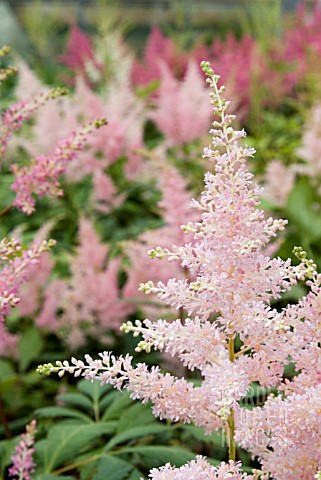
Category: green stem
[72,466]
[231,419]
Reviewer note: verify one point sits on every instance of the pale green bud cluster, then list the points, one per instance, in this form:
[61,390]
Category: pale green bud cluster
[146,287]
[310,267]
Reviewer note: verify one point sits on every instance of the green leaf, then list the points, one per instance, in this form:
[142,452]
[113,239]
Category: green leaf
[303,209]
[136,414]
[112,468]
[121,402]
[77,399]
[30,346]
[8,375]
[64,441]
[93,389]
[6,450]
[48,476]
[198,433]
[51,412]
[108,399]
[158,455]
[135,475]
[134,433]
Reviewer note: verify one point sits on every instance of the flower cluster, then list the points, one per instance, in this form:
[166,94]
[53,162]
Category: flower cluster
[23,464]
[88,303]
[227,293]
[41,177]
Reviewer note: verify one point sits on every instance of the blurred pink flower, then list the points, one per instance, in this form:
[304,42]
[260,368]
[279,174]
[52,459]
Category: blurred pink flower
[159,50]
[88,303]
[182,110]
[80,55]
[23,463]
[278,182]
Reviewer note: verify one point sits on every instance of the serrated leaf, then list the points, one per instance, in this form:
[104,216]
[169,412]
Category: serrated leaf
[52,412]
[134,433]
[112,468]
[136,415]
[30,346]
[158,455]
[64,441]
[77,399]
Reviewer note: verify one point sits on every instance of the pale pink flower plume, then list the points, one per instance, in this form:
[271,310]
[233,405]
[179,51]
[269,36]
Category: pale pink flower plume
[285,434]
[23,463]
[89,302]
[310,149]
[122,137]
[182,110]
[200,469]
[228,291]
[278,182]
[28,84]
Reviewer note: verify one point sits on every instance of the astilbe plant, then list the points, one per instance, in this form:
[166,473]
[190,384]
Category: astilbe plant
[232,335]
[41,177]
[23,463]
[88,303]
[123,136]
[173,208]
[182,112]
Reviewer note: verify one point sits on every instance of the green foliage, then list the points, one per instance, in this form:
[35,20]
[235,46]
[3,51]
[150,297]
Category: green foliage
[100,433]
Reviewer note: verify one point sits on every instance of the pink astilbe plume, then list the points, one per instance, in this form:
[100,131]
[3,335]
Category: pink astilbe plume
[41,177]
[182,112]
[310,149]
[80,55]
[174,208]
[122,137]
[301,47]
[16,267]
[248,73]
[23,463]
[28,84]
[285,434]
[200,469]
[278,182]
[31,291]
[12,118]
[89,302]
[158,50]
[227,293]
